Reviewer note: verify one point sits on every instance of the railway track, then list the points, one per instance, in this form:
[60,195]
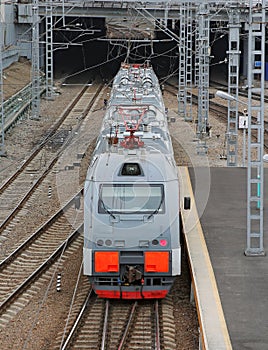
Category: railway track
[36,255]
[40,244]
[117,325]
[221,112]
[35,261]
[43,158]
[32,189]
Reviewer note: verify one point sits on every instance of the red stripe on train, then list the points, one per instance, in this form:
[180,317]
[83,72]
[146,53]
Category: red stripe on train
[112,294]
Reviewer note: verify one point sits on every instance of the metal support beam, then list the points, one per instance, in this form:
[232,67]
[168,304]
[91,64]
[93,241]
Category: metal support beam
[2,117]
[185,65]
[182,63]
[203,85]
[63,13]
[196,53]
[189,54]
[49,51]
[256,62]
[35,62]
[233,86]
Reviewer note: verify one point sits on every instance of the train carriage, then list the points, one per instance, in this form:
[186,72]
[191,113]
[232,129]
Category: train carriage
[131,194]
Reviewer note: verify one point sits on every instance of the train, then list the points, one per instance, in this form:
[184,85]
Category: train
[132,244]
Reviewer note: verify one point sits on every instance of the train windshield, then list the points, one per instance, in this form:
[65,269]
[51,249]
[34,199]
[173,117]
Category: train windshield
[131,199]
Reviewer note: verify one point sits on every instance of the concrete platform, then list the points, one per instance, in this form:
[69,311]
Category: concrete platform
[242,282]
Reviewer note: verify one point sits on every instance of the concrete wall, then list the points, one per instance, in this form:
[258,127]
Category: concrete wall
[10,52]
[16,38]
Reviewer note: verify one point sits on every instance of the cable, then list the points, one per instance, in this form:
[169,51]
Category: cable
[71,305]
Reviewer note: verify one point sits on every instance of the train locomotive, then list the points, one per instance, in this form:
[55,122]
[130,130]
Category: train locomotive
[131,194]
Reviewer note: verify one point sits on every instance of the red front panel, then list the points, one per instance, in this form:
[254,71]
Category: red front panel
[156,261]
[106,261]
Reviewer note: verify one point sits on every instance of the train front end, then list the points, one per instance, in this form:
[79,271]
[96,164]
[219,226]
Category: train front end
[132,240]
[131,220]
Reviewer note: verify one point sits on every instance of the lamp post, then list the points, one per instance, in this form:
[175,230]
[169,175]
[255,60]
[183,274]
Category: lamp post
[225,96]
[243,120]
[244,123]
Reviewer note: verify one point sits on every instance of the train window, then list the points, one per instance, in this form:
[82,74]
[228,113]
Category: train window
[131,199]
[131,169]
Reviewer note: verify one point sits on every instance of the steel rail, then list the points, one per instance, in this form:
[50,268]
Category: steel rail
[37,233]
[105,325]
[52,162]
[51,133]
[77,322]
[157,327]
[30,279]
[30,191]
[221,112]
[130,319]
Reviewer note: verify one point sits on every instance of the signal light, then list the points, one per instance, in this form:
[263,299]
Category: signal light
[163,242]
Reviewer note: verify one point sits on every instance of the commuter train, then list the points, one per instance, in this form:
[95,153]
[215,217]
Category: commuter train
[131,194]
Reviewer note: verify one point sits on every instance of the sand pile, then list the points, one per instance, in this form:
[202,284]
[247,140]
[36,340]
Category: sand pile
[16,76]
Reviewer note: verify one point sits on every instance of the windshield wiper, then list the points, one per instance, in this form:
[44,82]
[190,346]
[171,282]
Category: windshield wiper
[157,209]
[106,209]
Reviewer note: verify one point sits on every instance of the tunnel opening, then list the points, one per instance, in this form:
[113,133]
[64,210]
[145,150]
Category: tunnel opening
[89,48]
[86,48]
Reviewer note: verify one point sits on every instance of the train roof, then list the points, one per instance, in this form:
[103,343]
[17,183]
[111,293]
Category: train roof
[136,84]
[133,128]
[153,167]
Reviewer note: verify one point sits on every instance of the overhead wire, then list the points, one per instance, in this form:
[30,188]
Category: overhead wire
[132,52]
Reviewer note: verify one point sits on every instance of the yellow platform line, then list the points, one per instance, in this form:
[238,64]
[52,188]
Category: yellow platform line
[213,328]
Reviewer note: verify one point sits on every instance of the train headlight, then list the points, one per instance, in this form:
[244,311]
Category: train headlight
[163,242]
[100,242]
[108,242]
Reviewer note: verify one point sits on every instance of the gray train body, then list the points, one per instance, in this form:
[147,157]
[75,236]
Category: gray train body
[131,194]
